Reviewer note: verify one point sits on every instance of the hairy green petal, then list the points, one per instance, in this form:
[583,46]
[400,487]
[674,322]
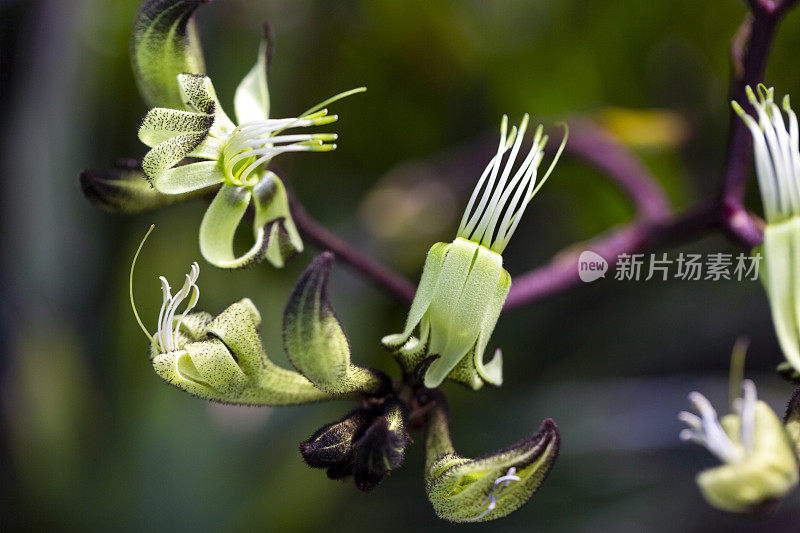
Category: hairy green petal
[164,43]
[199,95]
[275,235]
[251,101]
[763,477]
[461,489]
[272,207]
[492,372]
[467,285]
[170,152]
[161,124]
[187,178]
[781,263]
[423,297]
[125,189]
[228,364]
[314,338]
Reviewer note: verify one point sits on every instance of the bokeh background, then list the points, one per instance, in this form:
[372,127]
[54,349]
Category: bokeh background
[93,440]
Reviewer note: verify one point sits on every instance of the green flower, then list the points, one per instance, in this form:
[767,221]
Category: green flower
[234,156]
[759,464]
[489,487]
[464,285]
[777,161]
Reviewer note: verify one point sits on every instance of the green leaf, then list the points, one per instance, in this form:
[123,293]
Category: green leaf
[125,189]
[470,490]
[251,101]
[164,43]
[315,340]
[223,360]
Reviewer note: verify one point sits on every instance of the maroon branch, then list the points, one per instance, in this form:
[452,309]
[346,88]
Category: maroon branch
[654,226]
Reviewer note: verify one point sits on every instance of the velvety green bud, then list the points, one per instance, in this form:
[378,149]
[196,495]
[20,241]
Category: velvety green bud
[759,462]
[464,285]
[489,487]
[315,340]
[381,448]
[333,444]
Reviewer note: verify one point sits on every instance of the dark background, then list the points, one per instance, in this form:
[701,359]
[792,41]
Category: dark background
[93,440]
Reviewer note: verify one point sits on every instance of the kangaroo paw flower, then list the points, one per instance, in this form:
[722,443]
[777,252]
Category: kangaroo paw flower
[759,464]
[777,161]
[489,487]
[464,285]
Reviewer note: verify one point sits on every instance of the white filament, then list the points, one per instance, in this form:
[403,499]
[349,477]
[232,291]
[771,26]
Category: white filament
[256,143]
[481,224]
[500,483]
[707,431]
[777,157]
[167,333]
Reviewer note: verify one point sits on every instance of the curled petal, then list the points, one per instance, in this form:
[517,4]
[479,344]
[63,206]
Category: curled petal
[164,43]
[492,486]
[228,364]
[160,124]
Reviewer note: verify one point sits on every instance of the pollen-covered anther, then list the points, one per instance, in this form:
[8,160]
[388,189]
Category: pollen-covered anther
[168,328]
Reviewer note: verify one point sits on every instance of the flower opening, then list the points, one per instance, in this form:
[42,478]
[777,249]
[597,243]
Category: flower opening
[499,485]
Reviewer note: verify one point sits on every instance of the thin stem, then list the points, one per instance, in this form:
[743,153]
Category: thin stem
[395,284]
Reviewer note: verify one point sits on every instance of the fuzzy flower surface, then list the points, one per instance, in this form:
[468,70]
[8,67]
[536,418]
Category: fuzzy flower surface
[200,147]
[777,160]
[464,285]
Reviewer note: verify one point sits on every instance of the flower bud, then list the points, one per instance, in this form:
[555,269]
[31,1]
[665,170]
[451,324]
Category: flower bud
[381,448]
[332,445]
[464,285]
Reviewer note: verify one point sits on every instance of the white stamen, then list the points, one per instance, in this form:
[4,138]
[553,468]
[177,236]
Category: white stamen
[707,431]
[777,158]
[481,225]
[167,332]
[254,144]
[500,483]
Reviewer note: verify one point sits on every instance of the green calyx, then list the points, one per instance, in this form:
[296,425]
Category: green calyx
[781,250]
[489,487]
[456,307]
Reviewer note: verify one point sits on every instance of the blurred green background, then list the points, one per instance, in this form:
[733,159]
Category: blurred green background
[93,440]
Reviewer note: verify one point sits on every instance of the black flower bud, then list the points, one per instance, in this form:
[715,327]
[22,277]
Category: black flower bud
[382,447]
[331,446]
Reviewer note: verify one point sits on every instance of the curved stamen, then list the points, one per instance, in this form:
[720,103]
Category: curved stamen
[707,431]
[167,333]
[494,493]
[504,197]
